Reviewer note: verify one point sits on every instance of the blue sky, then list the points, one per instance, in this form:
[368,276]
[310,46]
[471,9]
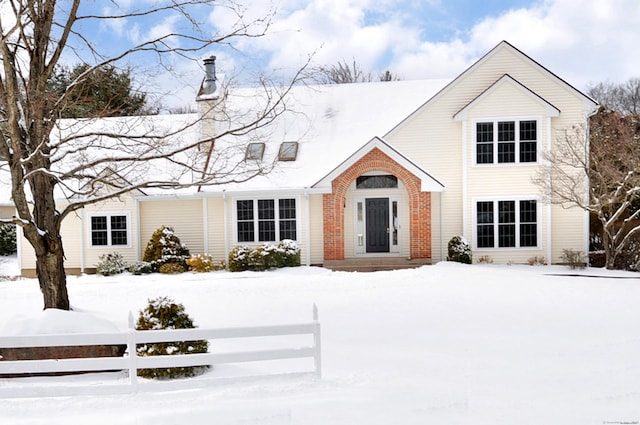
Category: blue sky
[583,41]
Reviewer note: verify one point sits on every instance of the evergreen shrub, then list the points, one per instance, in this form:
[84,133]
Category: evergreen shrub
[140,267]
[459,250]
[165,247]
[8,239]
[164,313]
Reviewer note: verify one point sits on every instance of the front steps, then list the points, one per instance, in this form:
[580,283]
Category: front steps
[374,264]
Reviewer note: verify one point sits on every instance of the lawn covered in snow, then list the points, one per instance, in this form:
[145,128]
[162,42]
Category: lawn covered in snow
[443,344]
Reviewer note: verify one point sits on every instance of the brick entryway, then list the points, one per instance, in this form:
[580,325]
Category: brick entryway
[419,206]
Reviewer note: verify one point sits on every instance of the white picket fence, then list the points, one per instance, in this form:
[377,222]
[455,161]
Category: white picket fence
[131,362]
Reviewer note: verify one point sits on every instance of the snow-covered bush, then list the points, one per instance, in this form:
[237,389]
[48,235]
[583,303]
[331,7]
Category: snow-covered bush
[7,239]
[202,263]
[140,267]
[285,253]
[164,313]
[291,253]
[459,250]
[111,264]
[171,268]
[165,247]
[239,258]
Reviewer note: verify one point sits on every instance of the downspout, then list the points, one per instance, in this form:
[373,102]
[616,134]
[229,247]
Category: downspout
[225,221]
[442,257]
[587,150]
[549,233]
[307,232]
[205,224]
[137,239]
[82,240]
[465,189]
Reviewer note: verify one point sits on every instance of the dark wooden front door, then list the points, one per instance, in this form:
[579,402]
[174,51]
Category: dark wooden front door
[377,216]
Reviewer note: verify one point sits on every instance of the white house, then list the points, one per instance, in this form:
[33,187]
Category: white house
[374,172]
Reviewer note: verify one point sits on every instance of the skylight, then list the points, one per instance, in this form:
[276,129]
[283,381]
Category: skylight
[288,151]
[255,151]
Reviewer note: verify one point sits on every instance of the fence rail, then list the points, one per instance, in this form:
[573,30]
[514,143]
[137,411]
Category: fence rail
[131,362]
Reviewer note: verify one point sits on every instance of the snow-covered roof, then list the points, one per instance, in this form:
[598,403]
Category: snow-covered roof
[329,122]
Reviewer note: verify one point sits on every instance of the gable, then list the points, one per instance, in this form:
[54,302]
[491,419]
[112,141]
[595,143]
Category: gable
[427,182]
[508,97]
[479,77]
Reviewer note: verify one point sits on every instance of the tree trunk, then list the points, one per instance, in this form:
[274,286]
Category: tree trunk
[52,277]
[53,280]
[609,251]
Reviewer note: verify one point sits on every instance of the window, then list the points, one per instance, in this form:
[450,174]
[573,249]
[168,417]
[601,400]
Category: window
[528,227]
[287,209]
[255,151]
[507,223]
[266,220]
[288,151]
[516,142]
[528,141]
[377,182]
[244,211]
[484,216]
[109,230]
[484,143]
[506,142]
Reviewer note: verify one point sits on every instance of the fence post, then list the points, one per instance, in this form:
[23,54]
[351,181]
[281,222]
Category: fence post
[133,353]
[317,358]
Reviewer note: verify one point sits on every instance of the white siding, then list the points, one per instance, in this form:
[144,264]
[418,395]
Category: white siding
[436,142]
[215,227]
[316,234]
[184,216]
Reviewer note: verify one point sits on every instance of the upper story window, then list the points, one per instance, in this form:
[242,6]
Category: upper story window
[109,230]
[288,151]
[377,182]
[255,151]
[506,142]
[266,220]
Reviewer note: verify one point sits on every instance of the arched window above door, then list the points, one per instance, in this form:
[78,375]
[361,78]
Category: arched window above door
[387,181]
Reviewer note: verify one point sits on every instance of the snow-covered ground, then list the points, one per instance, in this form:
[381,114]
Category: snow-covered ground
[443,344]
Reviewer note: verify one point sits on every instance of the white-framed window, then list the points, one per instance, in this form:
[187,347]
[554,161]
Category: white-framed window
[506,223]
[506,141]
[109,229]
[266,220]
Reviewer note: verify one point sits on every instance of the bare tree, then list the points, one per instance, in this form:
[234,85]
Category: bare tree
[344,73]
[88,161]
[624,97]
[603,179]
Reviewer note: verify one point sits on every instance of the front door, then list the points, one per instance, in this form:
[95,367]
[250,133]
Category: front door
[377,223]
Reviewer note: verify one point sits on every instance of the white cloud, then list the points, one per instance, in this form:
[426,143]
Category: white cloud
[581,40]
